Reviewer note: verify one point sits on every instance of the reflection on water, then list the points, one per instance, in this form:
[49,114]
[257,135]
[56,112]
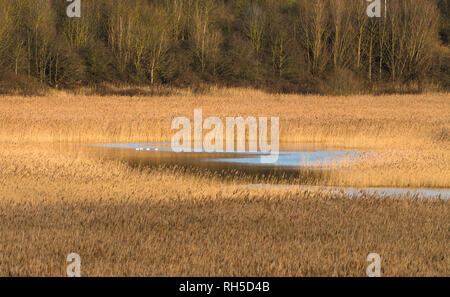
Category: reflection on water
[289,156]
[303,163]
[296,159]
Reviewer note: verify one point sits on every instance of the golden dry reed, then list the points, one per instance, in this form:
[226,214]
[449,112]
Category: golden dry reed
[410,134]
[166,221]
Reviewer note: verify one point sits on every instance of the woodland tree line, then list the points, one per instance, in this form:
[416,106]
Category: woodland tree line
[324,46]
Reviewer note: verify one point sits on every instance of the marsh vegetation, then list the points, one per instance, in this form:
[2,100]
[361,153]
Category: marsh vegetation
[127,219]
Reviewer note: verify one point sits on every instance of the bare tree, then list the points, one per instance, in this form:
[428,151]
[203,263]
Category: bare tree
[370,51]
[6,26]
[119,34]
[205,36]
[246,41]
[176,9]
[149,42]
[254,27]
[361,20]
[382,41]
[279,39]
[343,33]
[411,37]
[315,33]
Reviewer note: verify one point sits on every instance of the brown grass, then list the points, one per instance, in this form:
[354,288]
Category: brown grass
[157,222]
[355,121]
[399,128]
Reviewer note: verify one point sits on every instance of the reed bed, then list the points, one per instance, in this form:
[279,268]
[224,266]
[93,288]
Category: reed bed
[393,121]
[130,222]
[409,134]
[167,221]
